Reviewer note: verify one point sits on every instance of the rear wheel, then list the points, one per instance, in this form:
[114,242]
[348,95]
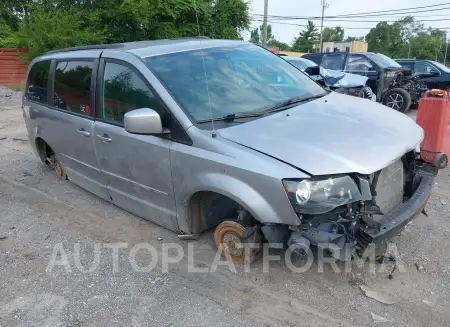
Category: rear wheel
[397,99]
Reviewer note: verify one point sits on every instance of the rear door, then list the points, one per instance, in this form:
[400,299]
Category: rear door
[361,65]
[66,122]
[137,166]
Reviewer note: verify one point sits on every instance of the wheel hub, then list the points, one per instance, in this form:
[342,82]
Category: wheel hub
[232,238]
[232,243]
[395,101]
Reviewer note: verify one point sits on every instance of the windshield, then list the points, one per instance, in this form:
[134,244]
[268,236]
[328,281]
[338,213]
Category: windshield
[441,66]
[301,63]
[230,80]
[383,61]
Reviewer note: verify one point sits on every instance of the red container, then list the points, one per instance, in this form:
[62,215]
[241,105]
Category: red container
[433,115]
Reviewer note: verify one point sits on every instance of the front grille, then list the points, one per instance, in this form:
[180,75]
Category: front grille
[389,187]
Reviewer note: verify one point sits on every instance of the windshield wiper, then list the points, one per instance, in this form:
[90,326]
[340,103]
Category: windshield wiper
[279,107]
[287,104]
[231,117]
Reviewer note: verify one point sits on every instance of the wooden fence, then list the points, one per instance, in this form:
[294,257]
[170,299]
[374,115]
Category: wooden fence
[12,69]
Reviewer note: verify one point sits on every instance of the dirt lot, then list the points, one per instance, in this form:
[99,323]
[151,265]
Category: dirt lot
[38,212]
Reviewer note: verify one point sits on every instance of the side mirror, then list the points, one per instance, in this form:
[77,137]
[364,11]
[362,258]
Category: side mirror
[434,73]
[313,70]
[143,121]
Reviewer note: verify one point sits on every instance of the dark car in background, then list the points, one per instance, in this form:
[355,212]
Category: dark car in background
[395,86]
[433,73]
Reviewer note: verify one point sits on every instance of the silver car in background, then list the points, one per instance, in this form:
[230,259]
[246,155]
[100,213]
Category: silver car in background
[195,134]
[334,80]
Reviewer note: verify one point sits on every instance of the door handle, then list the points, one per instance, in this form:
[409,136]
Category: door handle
[84,132]
[104,137]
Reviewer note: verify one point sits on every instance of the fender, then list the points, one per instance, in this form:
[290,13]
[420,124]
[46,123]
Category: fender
[260,207]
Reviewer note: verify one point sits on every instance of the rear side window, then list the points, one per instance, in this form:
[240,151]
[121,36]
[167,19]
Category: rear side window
[73,86]
[36,89]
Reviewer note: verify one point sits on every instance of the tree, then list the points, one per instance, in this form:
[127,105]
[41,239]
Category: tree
[306,39]
[269,32]
[354,38]
[254,36]
[43,25]
[257,34]
[387,39]
[331,34]
[410,27]
[407,38]
[278,44]
[43,31]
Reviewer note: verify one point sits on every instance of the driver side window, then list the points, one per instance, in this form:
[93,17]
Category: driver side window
[333,61]
[358,63]
[424,67]
[123,91]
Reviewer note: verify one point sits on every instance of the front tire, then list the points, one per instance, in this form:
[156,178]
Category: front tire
[397,99]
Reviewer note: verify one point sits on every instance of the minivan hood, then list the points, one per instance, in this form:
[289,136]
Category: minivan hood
[331,135]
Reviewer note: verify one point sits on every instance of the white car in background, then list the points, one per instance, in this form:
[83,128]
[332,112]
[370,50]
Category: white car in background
[334,80]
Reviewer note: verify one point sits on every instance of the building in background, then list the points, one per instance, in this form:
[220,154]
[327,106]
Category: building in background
[355,46]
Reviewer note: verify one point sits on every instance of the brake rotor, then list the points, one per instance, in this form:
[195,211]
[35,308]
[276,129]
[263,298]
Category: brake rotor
[231,238]
[59,170]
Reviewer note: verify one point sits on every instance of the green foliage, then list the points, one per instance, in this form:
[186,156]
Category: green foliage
[386,38]
[43,31]
[331,34]
[256,35]
[354,38]
[43,25]
[407,38]
[278,44]
[306,39]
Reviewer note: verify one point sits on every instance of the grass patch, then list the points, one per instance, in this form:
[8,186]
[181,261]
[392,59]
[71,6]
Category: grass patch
[19,87]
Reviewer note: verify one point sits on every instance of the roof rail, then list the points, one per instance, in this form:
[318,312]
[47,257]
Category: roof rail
[192,37]
[114,45]
[89,47]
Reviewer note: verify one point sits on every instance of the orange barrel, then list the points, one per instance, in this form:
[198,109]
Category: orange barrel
[433,115]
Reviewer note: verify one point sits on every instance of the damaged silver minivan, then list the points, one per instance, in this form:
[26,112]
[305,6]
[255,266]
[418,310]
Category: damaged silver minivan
[195,134]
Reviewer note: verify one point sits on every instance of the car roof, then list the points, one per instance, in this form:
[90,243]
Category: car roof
[339,52]
[145,48]
[410,59]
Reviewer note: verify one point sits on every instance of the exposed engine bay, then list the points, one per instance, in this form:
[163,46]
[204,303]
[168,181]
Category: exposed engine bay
[387,198]
[404,78]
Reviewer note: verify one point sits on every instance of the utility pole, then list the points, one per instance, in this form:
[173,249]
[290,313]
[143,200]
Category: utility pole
[446,48]
[264,36]
[324,6]
[409,48]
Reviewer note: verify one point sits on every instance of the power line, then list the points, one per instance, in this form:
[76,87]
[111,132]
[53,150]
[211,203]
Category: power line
[343,27]
[371,21]
[353,15]
[324,6]
[392,10]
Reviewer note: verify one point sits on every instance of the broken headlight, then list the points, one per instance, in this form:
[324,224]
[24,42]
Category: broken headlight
[321,196]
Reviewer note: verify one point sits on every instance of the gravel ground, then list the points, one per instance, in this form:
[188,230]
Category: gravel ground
[40,215]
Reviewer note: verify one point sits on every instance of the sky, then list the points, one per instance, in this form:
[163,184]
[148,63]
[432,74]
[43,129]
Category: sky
[307,8]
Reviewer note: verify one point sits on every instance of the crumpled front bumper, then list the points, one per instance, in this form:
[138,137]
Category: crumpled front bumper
[395,221]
